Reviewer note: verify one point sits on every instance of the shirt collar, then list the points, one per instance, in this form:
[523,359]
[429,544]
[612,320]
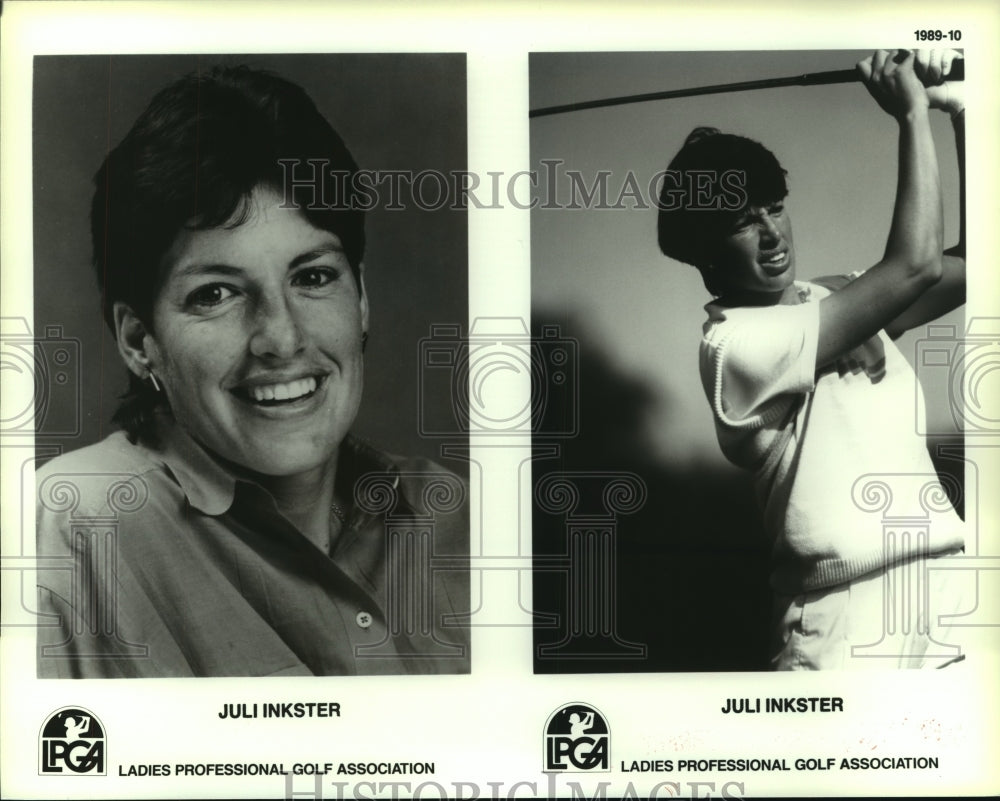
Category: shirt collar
[208,486]
[716,311]
[211,488]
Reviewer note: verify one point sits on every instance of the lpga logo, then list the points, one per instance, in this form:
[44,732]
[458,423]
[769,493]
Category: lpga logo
[71,744]
[577,739]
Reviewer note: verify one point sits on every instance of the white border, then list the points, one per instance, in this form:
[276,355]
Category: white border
[487,727]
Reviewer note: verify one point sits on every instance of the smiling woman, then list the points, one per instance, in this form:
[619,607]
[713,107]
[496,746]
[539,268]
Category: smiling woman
[256,339]
[236,526]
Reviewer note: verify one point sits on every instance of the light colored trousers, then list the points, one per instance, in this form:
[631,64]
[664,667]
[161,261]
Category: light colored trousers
[903,616]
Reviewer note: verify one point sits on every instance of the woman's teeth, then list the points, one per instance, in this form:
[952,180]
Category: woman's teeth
[287,391]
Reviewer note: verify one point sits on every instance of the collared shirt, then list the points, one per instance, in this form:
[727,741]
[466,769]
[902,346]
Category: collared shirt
[160,562]
[815,439]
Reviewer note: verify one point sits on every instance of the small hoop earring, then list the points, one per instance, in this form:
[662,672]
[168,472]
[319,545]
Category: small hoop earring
[156,384]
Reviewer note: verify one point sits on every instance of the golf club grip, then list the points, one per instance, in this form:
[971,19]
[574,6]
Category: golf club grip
[808,79]
[847,76]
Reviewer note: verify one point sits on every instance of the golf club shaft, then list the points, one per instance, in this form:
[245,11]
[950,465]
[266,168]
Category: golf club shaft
[808,79]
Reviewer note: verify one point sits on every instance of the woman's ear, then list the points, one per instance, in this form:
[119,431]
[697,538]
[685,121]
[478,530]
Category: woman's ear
[133,339]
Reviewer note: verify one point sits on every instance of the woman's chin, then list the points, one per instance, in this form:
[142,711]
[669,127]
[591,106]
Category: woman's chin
[277,459]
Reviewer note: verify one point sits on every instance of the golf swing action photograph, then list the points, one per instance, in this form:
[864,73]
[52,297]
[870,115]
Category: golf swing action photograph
[806,385]
[810,395]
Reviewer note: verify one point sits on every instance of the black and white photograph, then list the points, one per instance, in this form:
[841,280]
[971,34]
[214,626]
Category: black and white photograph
[498,400]
[237,257]
[772,403]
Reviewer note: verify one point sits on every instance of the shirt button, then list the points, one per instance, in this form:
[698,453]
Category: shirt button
[363,619]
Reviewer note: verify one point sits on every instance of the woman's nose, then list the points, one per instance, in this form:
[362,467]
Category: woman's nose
[276,331]
[769,230]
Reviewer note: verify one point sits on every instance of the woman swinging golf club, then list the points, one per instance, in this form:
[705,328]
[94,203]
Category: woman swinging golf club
[809,392]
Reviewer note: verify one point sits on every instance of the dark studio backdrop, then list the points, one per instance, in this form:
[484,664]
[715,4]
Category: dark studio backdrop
[690,582]
[395,112]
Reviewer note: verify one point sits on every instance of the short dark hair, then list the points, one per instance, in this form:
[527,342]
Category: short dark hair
[192,160]
[684,232]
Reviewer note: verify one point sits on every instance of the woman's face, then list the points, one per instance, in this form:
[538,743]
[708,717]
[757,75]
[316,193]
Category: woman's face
[258,339]
[755,255]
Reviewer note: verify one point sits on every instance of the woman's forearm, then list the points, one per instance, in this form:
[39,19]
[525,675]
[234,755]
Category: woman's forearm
[958,122]
[915,238]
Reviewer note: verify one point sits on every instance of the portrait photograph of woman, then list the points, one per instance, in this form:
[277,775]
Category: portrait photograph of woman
[235,254]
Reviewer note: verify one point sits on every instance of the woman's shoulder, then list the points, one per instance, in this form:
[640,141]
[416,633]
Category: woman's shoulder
[420,483]
[722,320]
[420,479]
[366,457]
[419,465]
[113,454]
[97,481]
[433,490]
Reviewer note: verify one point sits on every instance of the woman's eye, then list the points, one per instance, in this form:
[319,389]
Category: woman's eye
[209,296]
[777,208]
[315,276]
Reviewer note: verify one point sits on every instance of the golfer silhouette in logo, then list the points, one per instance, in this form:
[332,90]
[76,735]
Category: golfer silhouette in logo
[580,724]
[74,730]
